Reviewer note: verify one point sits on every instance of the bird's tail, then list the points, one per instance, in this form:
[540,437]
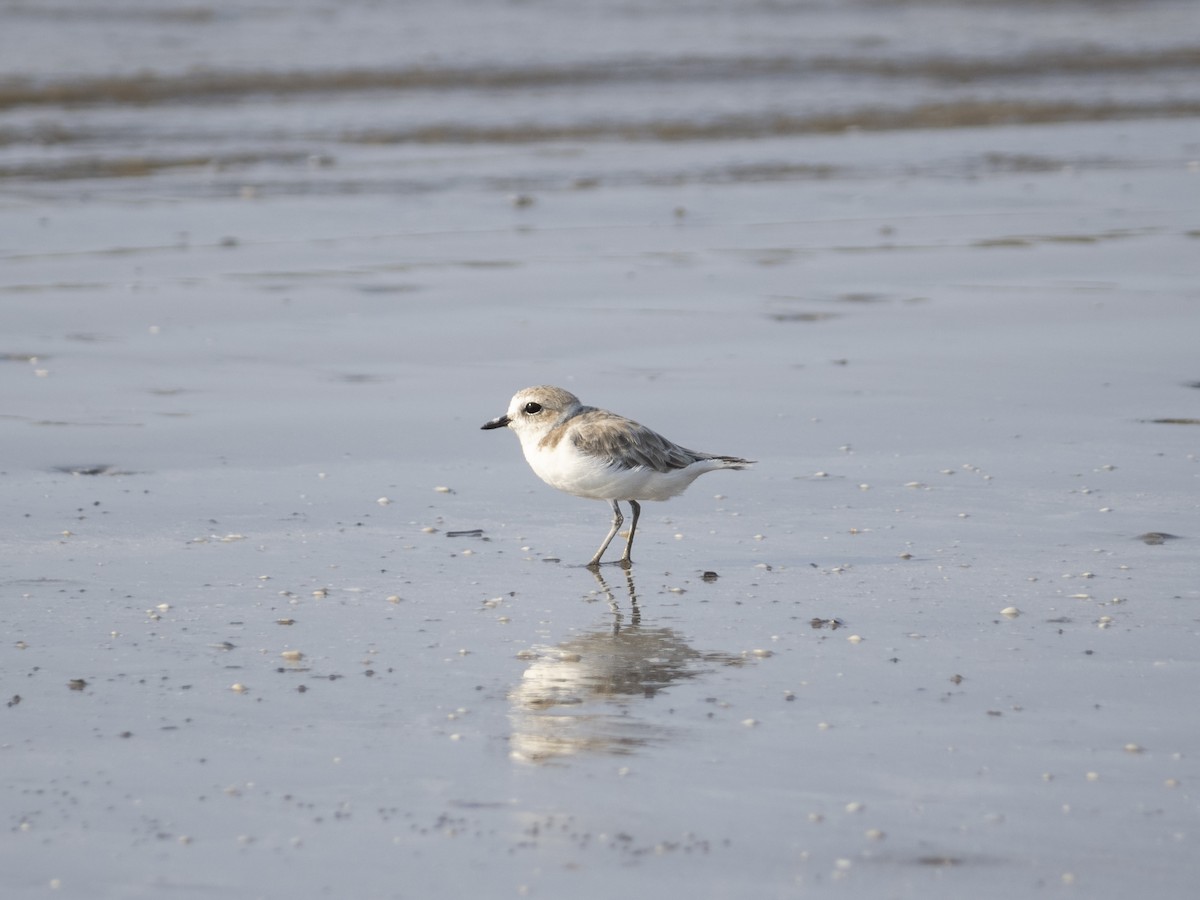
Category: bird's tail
[733,462]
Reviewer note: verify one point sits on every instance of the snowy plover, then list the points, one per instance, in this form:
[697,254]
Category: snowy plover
[596,454]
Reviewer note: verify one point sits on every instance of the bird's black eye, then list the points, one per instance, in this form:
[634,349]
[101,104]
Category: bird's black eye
[532,408]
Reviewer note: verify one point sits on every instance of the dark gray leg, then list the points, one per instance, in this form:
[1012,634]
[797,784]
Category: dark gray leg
[618,519]
[637,511]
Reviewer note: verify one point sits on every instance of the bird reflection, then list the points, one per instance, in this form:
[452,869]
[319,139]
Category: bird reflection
[585,694]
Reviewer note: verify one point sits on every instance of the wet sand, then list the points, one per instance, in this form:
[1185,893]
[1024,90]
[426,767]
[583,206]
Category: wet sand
[281,620]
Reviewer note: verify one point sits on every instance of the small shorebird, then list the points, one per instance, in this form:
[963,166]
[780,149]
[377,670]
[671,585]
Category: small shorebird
[596,454]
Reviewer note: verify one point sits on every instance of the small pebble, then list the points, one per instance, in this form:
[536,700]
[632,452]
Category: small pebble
[1010,611]
[238,688]
[292,655]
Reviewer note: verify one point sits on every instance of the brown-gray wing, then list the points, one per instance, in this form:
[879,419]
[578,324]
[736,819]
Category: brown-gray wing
[627,444]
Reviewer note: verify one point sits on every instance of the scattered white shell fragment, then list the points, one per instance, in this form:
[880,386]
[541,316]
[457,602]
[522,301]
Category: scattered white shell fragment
[864,487]
[320,592]
[456,737]
[292,655]
[874,834]
[442,489]
[163,606]
[429,529]
[762,654]
[1010,611]
[750,723]
[815,817]
[855,639]
[855,807]
[823,726]
[677,590]
[238,688]
[383,501]
[760,537]
[1093,776]
[395,598]
[1134,748]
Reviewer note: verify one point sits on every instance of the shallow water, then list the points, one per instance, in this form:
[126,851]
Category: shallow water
[265,270]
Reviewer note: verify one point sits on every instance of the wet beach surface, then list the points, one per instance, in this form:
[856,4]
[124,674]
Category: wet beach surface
[279,619]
